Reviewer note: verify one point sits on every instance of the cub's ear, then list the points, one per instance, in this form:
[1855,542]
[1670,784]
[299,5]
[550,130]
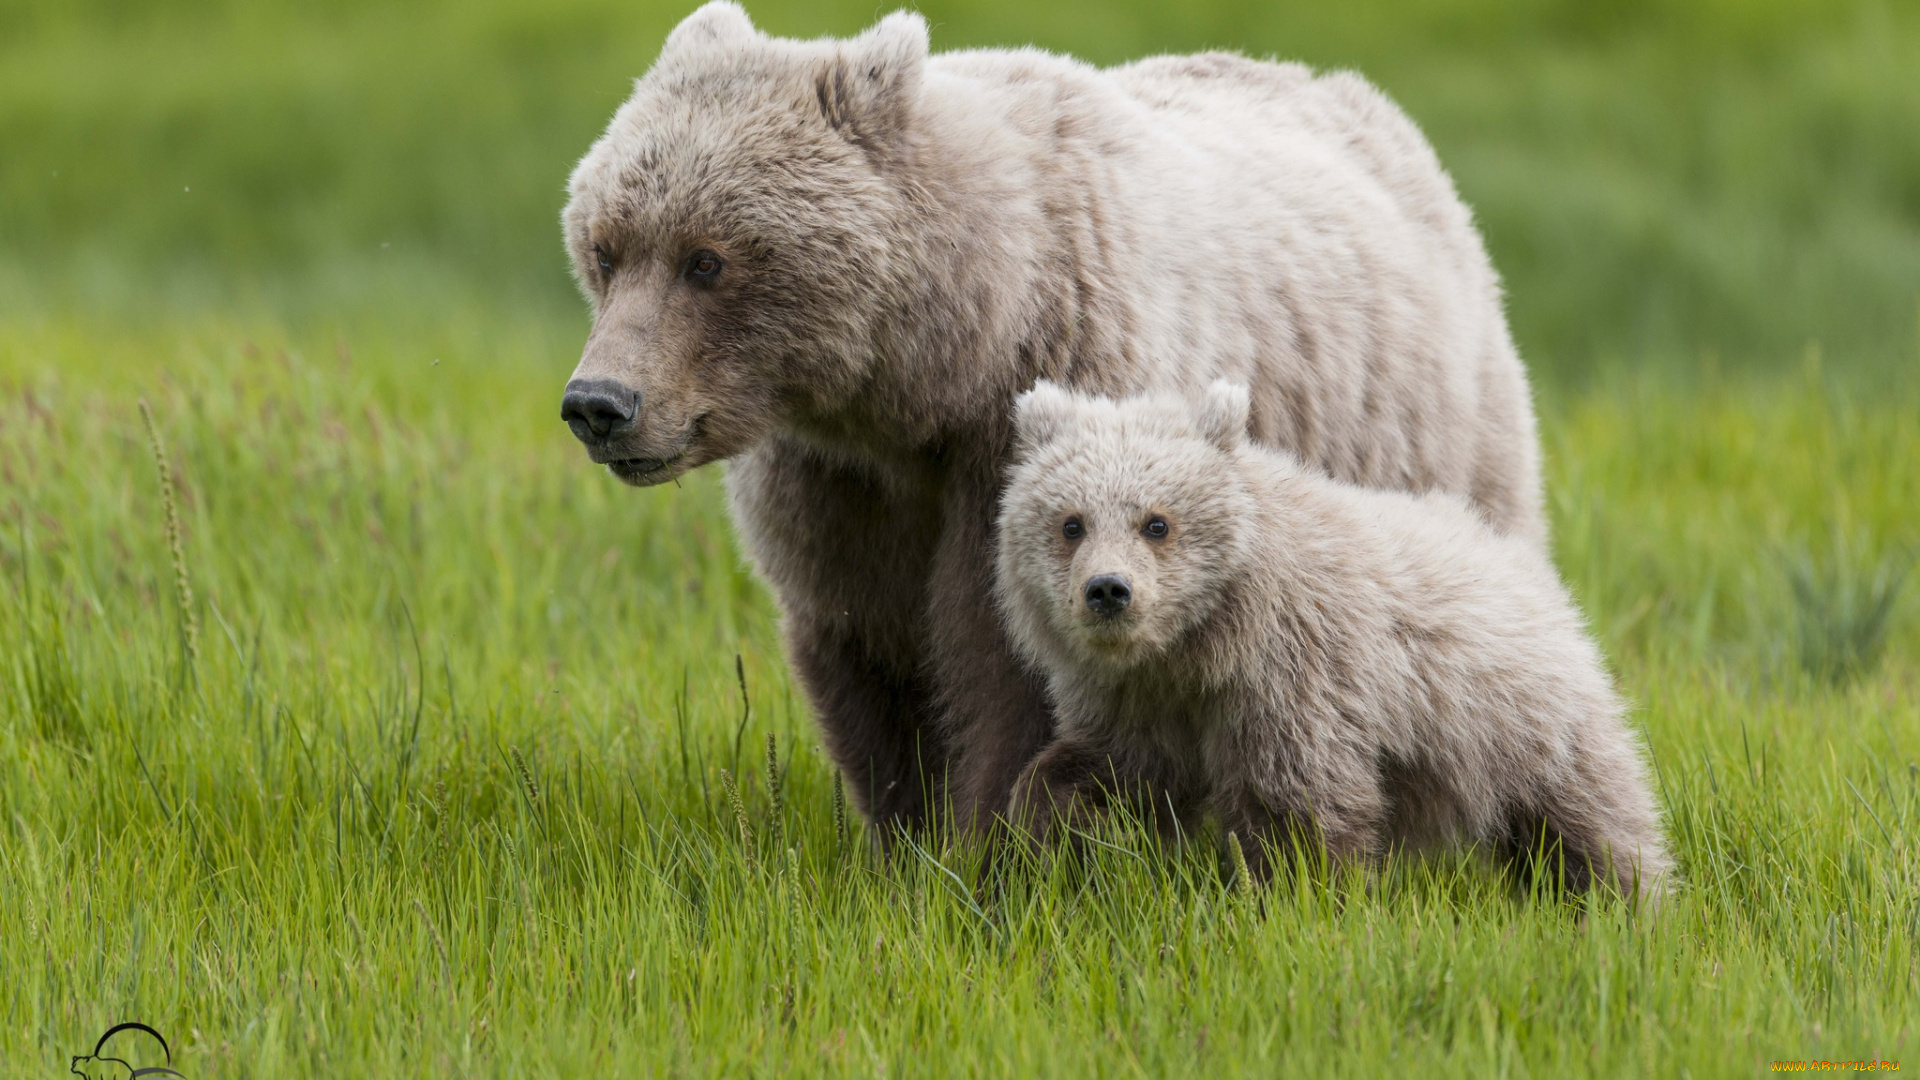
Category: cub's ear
[717,26]
[1221,414]
[1042,412]
[868,89]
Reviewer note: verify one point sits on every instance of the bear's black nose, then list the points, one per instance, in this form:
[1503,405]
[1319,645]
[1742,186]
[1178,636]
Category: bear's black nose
[597,408]
[1108,595]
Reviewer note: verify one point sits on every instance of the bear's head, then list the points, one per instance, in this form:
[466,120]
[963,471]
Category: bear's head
[1121,522]
[734,230]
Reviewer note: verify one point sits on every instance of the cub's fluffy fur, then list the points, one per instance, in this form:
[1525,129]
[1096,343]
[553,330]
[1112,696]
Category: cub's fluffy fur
[1301,656]
[836,262]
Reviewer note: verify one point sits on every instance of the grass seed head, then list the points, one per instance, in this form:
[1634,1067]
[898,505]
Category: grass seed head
[839,810]
[739,815]
[773,780]
[1242,877]
[176,547]
[439,946]
[525,774]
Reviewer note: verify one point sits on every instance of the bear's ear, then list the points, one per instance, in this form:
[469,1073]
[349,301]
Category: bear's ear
[1041,413]
[721,25]
[868,88]
[1221,414]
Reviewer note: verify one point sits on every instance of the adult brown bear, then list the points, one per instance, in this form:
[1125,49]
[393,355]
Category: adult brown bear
[836,263]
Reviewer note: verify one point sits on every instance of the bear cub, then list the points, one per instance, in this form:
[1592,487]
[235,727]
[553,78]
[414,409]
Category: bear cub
[1225,631]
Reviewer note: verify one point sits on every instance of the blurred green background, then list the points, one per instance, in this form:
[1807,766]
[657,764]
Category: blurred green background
[1715,185]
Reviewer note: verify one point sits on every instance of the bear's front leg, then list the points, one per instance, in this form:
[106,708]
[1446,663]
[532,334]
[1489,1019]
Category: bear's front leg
[992,710]
[847,551]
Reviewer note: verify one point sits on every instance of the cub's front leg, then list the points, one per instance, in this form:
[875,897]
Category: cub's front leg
[1065,787]
[1300,785]
[1072,783]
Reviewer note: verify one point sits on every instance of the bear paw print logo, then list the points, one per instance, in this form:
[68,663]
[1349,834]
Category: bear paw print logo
[101,1065]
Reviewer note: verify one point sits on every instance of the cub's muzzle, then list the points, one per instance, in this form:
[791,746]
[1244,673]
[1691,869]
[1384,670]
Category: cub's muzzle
[1108,595]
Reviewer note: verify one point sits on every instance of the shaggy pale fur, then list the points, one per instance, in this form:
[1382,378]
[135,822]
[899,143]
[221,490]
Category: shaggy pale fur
[1304,657]
[837,262]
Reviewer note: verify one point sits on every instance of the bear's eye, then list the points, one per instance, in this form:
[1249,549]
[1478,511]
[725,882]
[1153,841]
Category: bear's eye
[1156,528]
[605,260]
[702,267]
[1073,530]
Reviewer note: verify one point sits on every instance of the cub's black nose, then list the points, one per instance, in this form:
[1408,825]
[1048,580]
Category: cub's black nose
[597,408]
[1108,595]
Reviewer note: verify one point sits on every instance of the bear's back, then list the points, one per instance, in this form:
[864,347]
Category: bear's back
[1179,82]
[1285,101]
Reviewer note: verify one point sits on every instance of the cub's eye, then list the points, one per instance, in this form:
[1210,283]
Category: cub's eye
[702,267]
[1073,530]
[1156,528]
[605,260]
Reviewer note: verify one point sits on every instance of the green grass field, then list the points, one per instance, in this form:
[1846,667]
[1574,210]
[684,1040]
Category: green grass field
[429,773]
